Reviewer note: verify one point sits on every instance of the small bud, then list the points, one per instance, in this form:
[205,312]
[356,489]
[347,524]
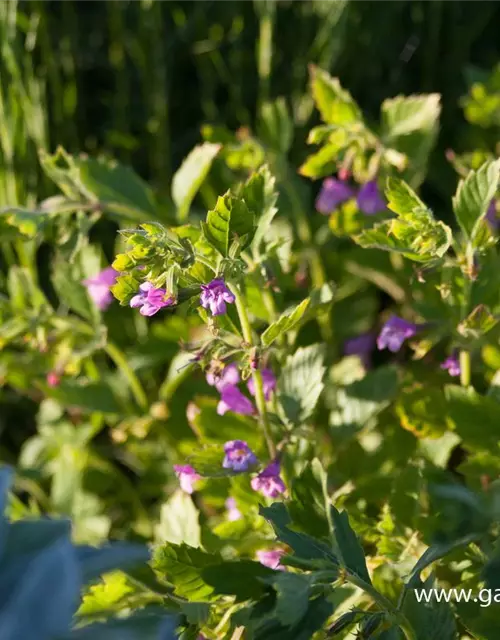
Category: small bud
[159,411]
[53,379]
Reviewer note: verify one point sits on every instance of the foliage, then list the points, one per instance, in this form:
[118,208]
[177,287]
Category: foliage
[285,420]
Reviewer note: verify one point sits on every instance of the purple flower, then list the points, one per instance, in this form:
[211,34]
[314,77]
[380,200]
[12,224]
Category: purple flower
[99,286]
[214,296]
[271,558]
[187,476]
[231,399]
[452,365]
[233,513]
[150,300]
[333,192]
[230,375]
[491,214]
[269,383]
[361,346]
[239,456]
[394,332]
[369,198]
[268,482]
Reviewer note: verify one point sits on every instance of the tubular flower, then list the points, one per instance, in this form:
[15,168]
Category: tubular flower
[230,375]
[150,299]
[452,365]
[271,558]
[239,456]
[269,383]
[187,476]
[99,287]
[394,332]
[369,199]
[333,192]
[214,296]
[269,482]
[231,399]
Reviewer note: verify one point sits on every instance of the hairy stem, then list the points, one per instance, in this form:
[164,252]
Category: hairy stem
[256,374]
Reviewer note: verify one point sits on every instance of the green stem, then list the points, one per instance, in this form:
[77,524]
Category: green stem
[465,368]
[120,360]
[256,374]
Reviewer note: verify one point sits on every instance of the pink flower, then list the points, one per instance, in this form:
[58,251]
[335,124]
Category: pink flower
[333,192]
[214,296]
[269,482]
[231,399]
[271,558]
[369,199]
[230,375]
[452,365]
[53,379]
[232,511]
[150,300]
[187,477]
[269,383]
[99,287]
[394,332]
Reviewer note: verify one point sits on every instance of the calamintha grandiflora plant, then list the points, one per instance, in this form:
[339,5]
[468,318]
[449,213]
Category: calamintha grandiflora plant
[319,412]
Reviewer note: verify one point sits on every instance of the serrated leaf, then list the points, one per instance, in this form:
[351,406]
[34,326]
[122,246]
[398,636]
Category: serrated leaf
[301,383]
[179,521]
[403,115]
[260,195]
[287,321]
[307,504]
[230,220]
[125,287]
[105,596]
[333,102]
[474,195]
[182,566]
[401,198]
[349,549]
[190,176]
[305,547]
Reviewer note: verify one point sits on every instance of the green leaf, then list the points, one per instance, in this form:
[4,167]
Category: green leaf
[307,506]
[230,426]
[190,176]
[243,579]
[179,521]
[66,279]
[125,287]
[349,549]
[403,115]
[476,417]
[305,547]
[401,198]
[182,566]
[301,383]
[430,621]
[229,221]
[196,612]
[474,195]
[95,561]
[292,597]
[287,321]
[260,195]
[105,596]
[361,401]
[477,323]
[333,102]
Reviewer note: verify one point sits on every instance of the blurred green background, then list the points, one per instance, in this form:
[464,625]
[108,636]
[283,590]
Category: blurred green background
[137,79]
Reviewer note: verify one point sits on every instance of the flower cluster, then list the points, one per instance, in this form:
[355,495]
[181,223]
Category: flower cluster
[335,191]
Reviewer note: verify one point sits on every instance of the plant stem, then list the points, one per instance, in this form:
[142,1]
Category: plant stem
[120,360]
[465,368]
[256,374]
